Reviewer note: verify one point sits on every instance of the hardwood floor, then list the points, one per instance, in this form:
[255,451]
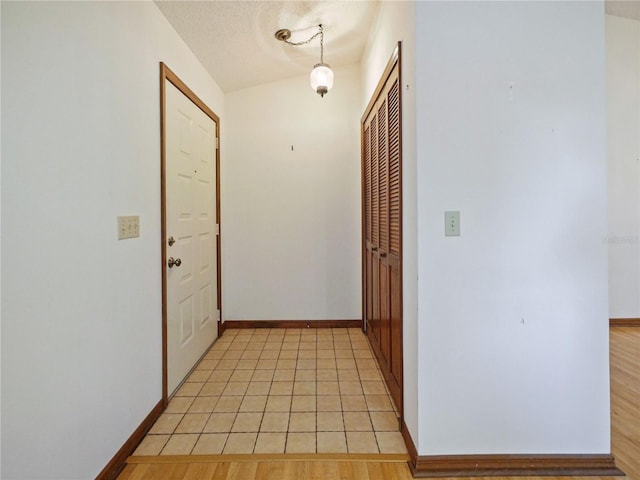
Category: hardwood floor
[625,424]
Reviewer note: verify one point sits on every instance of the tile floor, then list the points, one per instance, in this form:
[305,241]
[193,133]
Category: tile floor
[280,391]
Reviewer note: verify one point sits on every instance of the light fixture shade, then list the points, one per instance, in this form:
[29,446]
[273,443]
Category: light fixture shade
[321,78]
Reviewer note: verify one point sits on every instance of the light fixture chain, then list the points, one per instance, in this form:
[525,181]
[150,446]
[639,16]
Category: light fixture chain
[321,44]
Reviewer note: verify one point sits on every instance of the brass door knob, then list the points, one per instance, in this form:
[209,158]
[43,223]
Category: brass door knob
[171,262]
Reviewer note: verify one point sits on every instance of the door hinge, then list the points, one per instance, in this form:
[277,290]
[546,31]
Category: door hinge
[217,229]
[218,315]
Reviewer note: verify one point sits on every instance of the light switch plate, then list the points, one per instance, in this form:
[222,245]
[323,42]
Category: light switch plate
[452,224]
[128,227]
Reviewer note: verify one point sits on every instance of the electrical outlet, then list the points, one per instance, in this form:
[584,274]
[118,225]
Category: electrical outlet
[452,224]
[128,227]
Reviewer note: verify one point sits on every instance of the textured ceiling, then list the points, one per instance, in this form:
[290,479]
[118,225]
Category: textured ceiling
[234,39]
[235,42]
[623,8]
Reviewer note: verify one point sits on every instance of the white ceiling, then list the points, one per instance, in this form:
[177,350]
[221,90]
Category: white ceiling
[235,42]
[234,39]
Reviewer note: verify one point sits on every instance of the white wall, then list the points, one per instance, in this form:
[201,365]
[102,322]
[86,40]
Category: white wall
[395,22]
[291,227]
[513,313]
[623,154]
[81,311]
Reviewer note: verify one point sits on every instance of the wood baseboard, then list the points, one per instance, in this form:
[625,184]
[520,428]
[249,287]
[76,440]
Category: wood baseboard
[117,463]
[624,322]
[408,441]
[292,324]
[514,465]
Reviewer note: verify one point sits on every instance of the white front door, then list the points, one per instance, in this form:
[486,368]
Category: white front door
[190,149]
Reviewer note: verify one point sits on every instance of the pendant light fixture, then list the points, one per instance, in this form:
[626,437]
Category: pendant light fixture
[321,76]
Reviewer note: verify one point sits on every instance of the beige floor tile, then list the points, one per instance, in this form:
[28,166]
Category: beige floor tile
[241,375]
[384,421]
[247,364]
[326,364]
[331,442]
[302,422]
[199,376]
[324,344]
[278,403]
[220,376]
[361,442]
[362,354]
[275,422]
[252,354]
[342,345]
[267,364]
[285,374]
[270,442]
[325,354]
[345,364]
[353,403]
[247,422]
[306,354]
[328,403]
[192,423]
[235,388]
[357,422]
[350,388]
[167,423]
[203,405]
[374,388]
[228,404]
[208,364]
[366,363]
[281,388]
[288,354]
[152,445]
[232,355]
[370,374]
[304,388]
[258,388]
[303,403]
[344,353]
[219,423]
[306,364]
[290,345]
[227,364]
[240,443]
[328,388]
[326,375]
[189,389]
[348,375]
[254,403]
[262,375]
[377,403]
[210,444]
[305,376]
[213,389]
[181,444]
[329,422]
[391,442]
[307,345]
[270,354]
[301,443]
[179,404]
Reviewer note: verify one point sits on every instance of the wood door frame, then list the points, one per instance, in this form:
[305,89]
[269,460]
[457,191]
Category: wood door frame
[394,60]
[166,74]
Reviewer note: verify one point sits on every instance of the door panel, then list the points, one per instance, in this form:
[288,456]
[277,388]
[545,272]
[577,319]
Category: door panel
[190,186]
[382,242]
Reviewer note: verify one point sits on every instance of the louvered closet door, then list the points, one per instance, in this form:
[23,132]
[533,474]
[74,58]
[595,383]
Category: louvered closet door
[382,231]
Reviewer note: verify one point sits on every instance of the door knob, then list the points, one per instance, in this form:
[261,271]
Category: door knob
[171,262]
[171,241]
